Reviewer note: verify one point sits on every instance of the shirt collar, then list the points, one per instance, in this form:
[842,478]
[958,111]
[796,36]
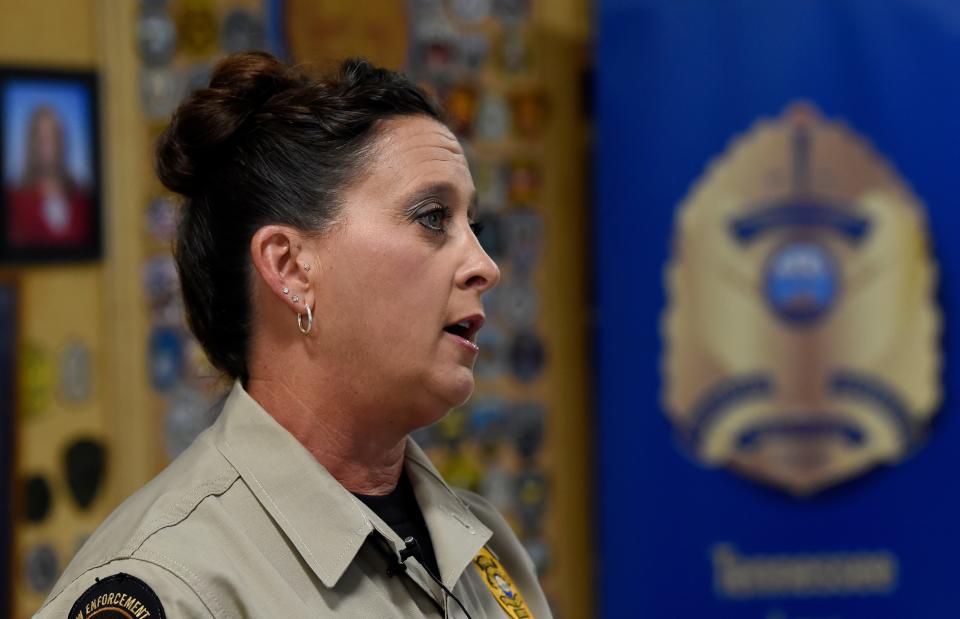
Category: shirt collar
[323,520]
[457,534]
[319,516]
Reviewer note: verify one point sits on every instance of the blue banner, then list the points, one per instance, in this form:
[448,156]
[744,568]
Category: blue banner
[777,293]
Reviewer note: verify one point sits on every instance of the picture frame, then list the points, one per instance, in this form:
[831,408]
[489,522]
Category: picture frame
[50,166]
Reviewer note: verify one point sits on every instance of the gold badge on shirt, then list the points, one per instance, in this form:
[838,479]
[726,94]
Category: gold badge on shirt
[801,333]
[501,585]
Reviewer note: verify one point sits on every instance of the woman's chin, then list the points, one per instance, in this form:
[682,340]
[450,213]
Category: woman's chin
[453,390]
[461,387]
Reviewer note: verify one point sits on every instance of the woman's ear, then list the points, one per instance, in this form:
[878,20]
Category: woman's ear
[277,254]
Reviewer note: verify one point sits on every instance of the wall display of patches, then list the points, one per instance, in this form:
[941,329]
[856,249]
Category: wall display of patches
[474,56]
[179,43]
[8,339]
[49,159]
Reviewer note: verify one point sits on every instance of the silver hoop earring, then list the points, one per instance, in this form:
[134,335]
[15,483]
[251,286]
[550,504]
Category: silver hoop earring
[309,321]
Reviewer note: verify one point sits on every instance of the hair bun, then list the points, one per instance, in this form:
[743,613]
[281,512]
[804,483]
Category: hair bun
[213,116]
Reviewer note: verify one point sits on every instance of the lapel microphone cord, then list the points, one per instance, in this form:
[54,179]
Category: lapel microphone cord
[411,548]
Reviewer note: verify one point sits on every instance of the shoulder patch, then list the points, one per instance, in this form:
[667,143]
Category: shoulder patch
[120,596]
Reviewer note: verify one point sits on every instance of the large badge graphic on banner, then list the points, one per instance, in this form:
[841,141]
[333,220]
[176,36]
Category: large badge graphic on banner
[801,336]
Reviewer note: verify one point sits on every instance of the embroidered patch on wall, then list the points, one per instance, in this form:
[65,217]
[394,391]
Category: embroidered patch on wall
[501,585]
[120,596]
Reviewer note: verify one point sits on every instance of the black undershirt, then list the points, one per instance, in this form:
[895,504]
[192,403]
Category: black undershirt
[401,512]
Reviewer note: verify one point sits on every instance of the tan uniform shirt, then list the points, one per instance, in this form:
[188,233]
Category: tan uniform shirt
[246,523]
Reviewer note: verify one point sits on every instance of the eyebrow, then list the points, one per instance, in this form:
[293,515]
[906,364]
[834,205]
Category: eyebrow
[444,190]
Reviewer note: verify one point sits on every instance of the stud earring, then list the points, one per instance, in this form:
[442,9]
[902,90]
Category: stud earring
[295,299]
[286,290]
[306,267]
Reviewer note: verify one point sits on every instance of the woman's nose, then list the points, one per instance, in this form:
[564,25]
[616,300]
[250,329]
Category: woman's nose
[481,271]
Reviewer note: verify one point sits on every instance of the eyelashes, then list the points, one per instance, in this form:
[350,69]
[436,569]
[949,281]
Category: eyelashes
[435,220]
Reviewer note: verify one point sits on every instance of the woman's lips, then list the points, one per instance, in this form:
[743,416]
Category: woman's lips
[465,331]
[465,343]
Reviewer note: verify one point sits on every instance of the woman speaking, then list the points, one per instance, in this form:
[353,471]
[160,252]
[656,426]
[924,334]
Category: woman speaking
[329,266]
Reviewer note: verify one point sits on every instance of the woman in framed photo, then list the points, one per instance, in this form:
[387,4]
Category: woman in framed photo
[47,206]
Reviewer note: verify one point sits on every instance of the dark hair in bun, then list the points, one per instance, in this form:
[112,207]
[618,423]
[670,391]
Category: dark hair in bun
[264,144]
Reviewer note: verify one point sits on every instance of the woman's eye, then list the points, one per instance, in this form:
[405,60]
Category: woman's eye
[433,220]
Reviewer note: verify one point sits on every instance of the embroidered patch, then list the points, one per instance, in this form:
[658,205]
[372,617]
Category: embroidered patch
[120,596]
[501,585]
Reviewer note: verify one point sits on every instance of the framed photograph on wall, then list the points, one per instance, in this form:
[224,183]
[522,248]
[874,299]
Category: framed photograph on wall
[50,166]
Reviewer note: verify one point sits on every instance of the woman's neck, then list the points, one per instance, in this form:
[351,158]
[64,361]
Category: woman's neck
[50,185]
[346,443]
